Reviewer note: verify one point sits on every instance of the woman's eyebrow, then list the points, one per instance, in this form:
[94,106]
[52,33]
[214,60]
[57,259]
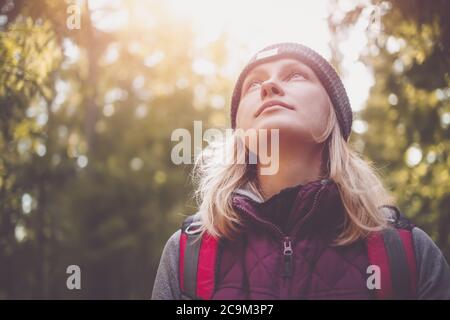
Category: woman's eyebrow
[255,72]
[251,75]
[290,65]
[294,66]
[287,66]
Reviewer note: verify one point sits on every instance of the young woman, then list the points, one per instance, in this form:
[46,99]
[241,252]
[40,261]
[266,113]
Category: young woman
[311,229]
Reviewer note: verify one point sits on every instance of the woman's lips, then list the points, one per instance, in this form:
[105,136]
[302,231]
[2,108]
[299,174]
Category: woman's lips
[272,107]
[271,104]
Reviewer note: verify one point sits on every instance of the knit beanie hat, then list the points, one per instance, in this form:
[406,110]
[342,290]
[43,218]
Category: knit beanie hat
[324,71]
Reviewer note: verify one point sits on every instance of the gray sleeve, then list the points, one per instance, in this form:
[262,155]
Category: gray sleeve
[432,268]
[166,286]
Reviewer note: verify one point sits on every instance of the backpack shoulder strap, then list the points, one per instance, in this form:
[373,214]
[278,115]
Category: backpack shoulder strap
[198,254]
[392,251]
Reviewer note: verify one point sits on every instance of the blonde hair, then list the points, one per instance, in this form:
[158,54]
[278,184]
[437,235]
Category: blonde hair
[358,182]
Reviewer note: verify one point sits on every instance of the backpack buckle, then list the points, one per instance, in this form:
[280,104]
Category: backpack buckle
[390,214]
[193,226]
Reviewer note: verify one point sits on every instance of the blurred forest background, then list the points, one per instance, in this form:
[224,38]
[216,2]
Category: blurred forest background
[86,118]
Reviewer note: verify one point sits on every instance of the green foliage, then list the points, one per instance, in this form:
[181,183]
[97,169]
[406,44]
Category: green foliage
[85,171]
[408,112]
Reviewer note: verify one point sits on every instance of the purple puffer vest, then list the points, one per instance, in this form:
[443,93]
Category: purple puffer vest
[286,252]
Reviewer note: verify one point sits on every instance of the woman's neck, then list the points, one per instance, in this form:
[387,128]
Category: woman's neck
[295,166]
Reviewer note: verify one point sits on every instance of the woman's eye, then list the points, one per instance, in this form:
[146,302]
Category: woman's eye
[296,75]
[252,85]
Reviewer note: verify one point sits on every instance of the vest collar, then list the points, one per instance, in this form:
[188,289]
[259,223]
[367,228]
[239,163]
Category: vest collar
[312,207]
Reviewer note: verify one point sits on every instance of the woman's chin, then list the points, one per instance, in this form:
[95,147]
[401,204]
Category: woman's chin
[281,121]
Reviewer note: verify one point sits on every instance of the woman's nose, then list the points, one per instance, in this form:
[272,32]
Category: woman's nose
[270,88]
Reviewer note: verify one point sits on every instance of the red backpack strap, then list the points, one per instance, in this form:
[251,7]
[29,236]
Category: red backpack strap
[392,251]
[197,261]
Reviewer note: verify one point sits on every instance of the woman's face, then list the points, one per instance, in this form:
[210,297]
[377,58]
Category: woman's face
[301,102]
